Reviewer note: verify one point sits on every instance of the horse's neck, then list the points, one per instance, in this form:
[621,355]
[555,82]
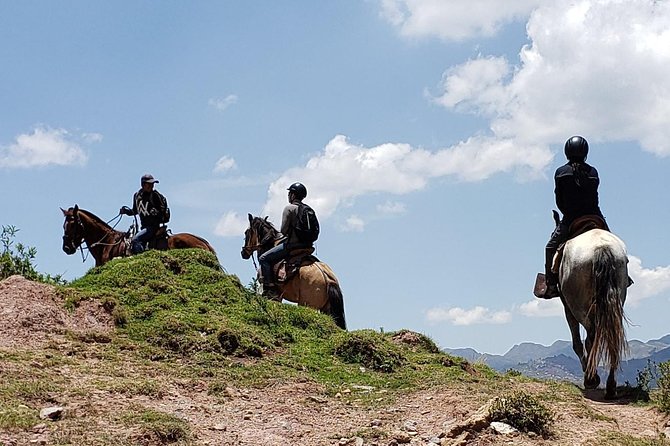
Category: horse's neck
[271,234]
[96,232]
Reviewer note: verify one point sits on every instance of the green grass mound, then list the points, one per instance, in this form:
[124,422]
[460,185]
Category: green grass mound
[180,305]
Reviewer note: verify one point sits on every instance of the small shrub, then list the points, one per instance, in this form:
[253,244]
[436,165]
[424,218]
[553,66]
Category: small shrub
[522,411]
[18,259]
[663,382]
[370,349]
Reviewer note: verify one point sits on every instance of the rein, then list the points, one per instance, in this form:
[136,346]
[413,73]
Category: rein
[88,247]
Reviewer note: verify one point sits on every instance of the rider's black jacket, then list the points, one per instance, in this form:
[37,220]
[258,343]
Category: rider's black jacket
[151,207]
[577,191]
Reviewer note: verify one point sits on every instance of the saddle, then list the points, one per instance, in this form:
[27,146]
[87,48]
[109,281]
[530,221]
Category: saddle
[158,241]
[578,227]
[287,269]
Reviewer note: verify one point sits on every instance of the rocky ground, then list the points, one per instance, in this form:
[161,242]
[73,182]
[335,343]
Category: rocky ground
[94,394]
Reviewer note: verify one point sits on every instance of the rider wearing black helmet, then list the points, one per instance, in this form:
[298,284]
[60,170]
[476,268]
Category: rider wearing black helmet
[576,189]
[296,193]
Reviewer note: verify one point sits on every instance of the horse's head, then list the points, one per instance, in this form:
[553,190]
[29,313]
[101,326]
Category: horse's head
[259,234]
[73,230]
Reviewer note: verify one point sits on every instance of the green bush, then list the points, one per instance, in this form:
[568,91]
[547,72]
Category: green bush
[522,411]
[663,382]
[370,349]
[18,259]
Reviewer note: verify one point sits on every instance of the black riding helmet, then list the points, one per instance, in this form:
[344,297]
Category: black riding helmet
[299,190]
[576,148]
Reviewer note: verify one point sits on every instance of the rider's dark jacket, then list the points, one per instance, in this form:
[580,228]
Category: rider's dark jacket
[577,191]
[152,207]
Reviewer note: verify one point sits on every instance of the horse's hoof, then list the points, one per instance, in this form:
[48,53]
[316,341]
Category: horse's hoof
[592,383]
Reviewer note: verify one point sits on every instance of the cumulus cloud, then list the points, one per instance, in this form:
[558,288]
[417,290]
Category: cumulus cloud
[399,169]
[648,282]
[222,104]
[542,308]
[354,224]
[460,316]
[225,163]
[231,224]
[593,67]
[44,146]
[454,19]
[391,207]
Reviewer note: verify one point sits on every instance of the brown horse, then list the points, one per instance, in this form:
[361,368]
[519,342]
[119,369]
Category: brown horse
[104,243]
[315,284]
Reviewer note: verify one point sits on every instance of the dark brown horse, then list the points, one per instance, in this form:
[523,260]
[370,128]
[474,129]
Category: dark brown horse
[104,243]
[315,284]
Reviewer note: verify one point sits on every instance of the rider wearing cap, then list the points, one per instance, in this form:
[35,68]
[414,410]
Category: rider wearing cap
[576,196]
[153,210]
[296,193]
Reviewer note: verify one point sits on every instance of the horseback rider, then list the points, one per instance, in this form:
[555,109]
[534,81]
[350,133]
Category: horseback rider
[153,210]
[576,196]
[289,242]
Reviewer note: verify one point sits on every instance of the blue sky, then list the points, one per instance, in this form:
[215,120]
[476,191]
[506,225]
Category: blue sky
[426,132]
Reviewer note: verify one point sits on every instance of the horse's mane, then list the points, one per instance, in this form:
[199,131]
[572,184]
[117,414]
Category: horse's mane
[263,223]
[94,217]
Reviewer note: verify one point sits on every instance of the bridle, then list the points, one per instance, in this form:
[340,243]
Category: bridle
[77,240]
[259,226]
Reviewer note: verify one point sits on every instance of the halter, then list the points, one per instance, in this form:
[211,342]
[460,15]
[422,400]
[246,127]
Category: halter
[88,247]
[266,238]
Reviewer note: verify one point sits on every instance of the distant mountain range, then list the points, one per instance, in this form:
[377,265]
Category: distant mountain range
[559,362]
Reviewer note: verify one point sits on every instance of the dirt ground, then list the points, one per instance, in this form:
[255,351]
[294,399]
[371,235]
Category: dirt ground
[283,413]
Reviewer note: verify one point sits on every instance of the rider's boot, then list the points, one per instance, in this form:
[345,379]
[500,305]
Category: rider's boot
[271,291]
[551,280]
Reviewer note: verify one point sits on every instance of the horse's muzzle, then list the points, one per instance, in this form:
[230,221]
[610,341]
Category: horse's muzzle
[68,247]
[245,254]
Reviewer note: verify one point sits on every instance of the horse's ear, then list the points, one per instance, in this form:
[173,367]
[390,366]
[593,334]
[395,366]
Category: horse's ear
[64,212]
[75,209]
[266,218]
[251,218]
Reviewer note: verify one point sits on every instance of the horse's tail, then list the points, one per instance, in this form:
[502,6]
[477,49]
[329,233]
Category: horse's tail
[609,343]
[336,304]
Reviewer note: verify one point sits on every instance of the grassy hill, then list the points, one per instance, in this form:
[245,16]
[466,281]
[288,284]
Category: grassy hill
[197,358]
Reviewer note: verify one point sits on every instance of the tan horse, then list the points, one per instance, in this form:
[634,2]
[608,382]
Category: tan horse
[315,284]
[104,243]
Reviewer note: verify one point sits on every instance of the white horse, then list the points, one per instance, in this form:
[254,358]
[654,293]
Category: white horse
[593,277]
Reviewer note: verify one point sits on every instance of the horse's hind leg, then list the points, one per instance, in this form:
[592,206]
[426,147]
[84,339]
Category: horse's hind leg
[577,345]
[590,381]
[578,348]
[610,389]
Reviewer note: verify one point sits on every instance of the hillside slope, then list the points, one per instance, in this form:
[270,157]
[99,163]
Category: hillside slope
[165,348]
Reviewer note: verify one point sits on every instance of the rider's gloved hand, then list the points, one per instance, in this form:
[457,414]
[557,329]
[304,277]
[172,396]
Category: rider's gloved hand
[125,210]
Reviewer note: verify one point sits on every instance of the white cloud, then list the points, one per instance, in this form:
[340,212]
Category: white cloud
[91,137]
[44,146]
[399,169]
[222,104]
[594,67]
[542,308]
[354,224]
[225,163]
[392,207]
[231,224]
[460,316]
[648,282]
[454,19]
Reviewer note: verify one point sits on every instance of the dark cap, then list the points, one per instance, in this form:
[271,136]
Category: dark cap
[148,178]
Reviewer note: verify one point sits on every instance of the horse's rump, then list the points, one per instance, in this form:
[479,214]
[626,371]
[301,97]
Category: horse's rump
[183,240]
